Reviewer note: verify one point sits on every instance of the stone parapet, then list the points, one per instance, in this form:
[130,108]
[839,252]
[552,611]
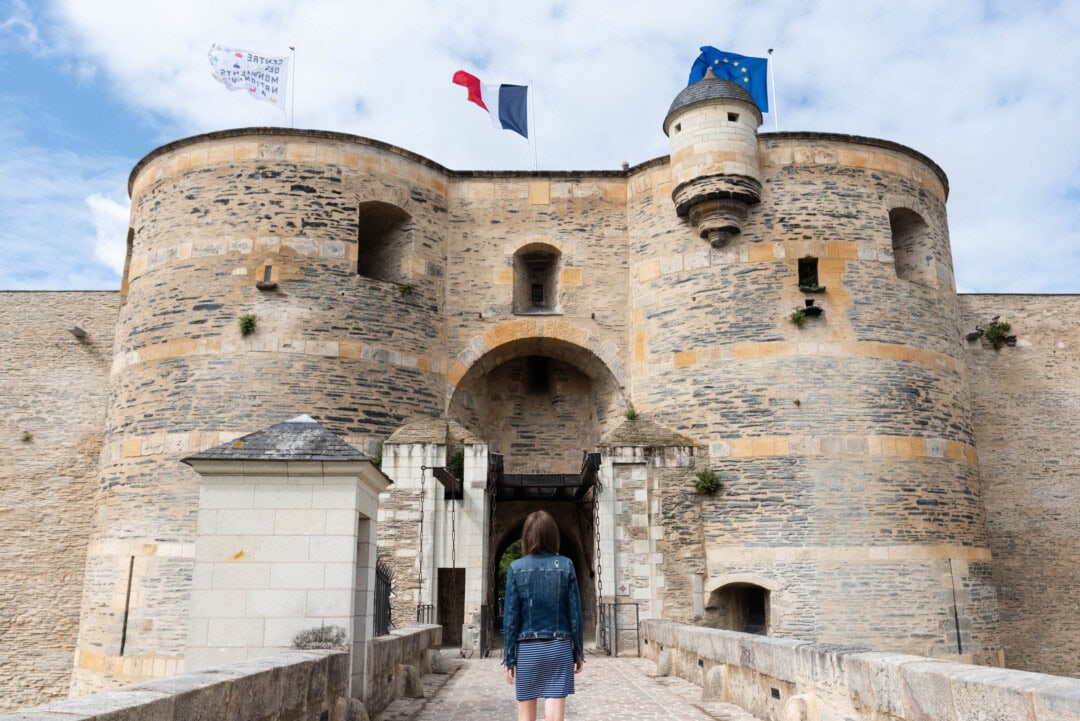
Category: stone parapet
[778,678]
[292,685]
[391,659]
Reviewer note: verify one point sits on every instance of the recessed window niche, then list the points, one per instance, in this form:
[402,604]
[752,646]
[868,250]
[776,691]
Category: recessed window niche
[536,279]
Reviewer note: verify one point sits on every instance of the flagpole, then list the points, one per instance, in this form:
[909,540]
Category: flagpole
[292,83]
[532,133]
[775,109]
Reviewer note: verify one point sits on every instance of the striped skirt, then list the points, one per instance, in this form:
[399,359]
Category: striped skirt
[545,669]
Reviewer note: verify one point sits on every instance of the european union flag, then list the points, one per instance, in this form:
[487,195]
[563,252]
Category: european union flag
[751,73]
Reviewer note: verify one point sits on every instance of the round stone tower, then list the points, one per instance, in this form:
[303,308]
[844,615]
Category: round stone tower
[817,355]
[270,273]
[712,127]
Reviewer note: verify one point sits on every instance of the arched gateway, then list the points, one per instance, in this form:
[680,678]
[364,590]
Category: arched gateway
[525,421]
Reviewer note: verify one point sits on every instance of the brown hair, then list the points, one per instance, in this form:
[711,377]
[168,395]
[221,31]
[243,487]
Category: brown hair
[540,533]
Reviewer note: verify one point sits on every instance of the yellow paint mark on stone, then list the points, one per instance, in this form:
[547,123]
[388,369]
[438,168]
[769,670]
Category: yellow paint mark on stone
[640,345]
[504,276]
[149,549]
[238,555]
[423,363]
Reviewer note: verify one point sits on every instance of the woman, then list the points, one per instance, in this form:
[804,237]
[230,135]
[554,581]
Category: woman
[543,642]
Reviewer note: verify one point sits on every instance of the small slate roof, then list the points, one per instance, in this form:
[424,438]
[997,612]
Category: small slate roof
[644,432]
[432,430]
[298,439]
[708,88]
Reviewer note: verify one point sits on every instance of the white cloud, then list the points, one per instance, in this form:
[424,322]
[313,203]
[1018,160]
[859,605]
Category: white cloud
[48,237]
[110,230]
[984,88]
[20,26]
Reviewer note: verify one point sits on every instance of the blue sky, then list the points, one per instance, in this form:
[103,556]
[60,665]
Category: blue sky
[986,89]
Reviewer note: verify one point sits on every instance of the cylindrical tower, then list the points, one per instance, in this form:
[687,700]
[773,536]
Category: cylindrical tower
[818,355]
[712,127]
[270,273]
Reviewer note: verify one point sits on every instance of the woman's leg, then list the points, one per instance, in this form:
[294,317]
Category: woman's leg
[527,710]
[554,709]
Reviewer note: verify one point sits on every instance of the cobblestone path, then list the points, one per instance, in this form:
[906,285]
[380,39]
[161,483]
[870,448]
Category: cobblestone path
[609,689]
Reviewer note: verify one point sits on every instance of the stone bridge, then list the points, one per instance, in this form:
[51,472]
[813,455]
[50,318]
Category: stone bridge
[609,689]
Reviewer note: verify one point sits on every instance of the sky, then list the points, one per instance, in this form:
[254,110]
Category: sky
[988,89]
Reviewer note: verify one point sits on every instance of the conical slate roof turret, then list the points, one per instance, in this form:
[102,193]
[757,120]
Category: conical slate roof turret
[708,89]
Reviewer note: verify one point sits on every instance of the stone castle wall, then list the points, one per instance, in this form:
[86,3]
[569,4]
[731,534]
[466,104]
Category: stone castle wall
[54,387]
[1025,403]
[359,354]
[846,445]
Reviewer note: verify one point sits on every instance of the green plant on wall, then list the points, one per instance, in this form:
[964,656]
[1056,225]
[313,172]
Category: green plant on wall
[27,436]
[632,413]
[798,317]
[997,333]
[708,483]
[406,289]
[247,324]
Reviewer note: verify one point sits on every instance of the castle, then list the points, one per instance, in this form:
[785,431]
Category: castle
[773,311]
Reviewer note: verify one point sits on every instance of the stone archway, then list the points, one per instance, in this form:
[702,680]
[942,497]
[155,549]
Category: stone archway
[576,543]
[539,394]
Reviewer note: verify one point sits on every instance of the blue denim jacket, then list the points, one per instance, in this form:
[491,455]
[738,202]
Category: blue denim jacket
[542,602]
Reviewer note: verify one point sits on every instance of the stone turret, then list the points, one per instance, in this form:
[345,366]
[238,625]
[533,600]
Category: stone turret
[712,126]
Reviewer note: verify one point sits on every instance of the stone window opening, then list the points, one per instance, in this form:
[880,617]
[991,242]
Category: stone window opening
[740,607]
[537,374]
[912,247]
[808,274]
[384,239]
[733,117]
[536,279]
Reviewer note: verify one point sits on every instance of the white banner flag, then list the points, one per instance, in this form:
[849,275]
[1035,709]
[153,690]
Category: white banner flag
[264,78]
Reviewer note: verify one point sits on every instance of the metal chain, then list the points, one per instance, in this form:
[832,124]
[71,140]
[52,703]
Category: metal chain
[453,562]
[420,564]
[596,530]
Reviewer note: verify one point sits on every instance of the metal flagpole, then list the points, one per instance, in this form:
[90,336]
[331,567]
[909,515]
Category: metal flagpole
[532,131]
[292,76]
[775,109]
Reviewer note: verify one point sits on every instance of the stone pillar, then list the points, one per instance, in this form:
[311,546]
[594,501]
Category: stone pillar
[284,545]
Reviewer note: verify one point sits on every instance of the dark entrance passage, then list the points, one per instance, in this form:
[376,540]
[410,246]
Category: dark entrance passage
[739,607]
[451,604]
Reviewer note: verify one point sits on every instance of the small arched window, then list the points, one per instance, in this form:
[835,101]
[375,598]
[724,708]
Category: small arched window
[384,238]
[739,607]
[536,279]
[912,248]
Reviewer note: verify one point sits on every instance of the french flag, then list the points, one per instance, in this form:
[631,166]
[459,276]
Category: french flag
[507,104]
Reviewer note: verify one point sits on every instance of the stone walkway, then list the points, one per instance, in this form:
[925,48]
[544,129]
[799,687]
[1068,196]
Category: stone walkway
[609,689]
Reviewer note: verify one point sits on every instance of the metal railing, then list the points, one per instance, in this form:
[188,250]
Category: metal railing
[613,620]
[487,631]
[425,613]
[384,588]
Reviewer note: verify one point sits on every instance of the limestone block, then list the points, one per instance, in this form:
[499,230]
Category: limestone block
[926,690]
[986,694]
[118,705]
[875,680]
[665,663]
[412,684]
[1059,701]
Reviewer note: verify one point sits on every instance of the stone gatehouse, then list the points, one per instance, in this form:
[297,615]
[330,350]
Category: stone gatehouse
[776,309]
